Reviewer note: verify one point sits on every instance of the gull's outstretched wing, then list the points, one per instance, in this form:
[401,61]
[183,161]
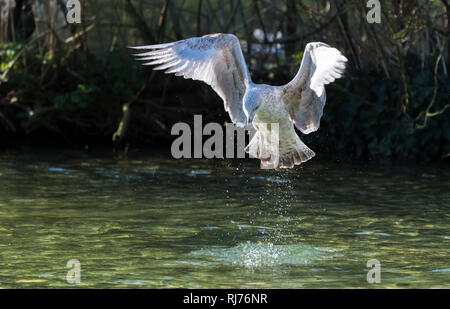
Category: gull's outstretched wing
[215,59]
[305,95]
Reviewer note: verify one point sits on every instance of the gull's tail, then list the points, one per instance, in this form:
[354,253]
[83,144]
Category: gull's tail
[294,153]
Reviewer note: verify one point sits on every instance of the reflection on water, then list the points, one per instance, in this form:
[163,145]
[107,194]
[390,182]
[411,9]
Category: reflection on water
[154,222]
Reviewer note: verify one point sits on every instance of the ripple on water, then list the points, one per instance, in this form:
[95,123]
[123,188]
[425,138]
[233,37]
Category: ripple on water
[132,282]
[59,170]
[250,254]
[198,172]
[444,270]
[270,179]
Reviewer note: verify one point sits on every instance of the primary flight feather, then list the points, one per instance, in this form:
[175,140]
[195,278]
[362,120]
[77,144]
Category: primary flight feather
[217,60]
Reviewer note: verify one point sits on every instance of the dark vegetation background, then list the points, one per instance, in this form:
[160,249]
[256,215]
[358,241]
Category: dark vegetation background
[77,83]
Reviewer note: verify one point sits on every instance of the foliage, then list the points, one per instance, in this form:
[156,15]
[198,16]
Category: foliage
[79,83]
[359,122]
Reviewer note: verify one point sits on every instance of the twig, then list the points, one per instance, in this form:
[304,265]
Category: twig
[427,114]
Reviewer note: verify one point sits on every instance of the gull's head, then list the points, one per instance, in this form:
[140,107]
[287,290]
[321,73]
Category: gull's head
[251,105]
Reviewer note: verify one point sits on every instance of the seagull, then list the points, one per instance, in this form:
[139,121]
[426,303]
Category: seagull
[217,60]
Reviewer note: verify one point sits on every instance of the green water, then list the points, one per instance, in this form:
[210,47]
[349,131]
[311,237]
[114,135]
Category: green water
[148,221]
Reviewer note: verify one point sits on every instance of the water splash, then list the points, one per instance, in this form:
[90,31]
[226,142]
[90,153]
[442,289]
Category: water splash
[260,254]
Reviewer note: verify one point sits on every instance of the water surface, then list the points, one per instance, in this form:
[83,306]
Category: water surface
[149,221]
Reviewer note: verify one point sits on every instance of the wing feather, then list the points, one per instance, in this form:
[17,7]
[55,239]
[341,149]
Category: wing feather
[214,59]
[305,95]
